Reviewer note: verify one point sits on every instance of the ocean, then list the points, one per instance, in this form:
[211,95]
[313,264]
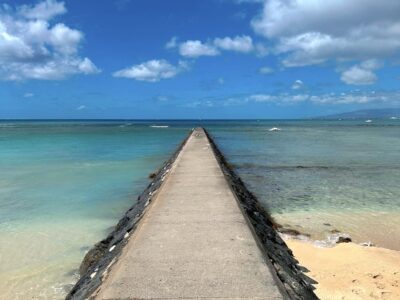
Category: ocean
[63,185]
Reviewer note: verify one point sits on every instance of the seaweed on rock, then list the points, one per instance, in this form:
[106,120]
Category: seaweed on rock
[103,255]
[296,284]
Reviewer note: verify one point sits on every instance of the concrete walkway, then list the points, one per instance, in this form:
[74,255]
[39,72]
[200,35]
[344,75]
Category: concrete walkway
[193,242]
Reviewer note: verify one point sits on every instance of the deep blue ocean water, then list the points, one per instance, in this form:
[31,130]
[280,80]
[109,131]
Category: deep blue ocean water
[64,184]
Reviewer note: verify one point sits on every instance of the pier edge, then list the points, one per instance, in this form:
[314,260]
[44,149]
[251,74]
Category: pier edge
[289,274]
[105,253]
[296,284]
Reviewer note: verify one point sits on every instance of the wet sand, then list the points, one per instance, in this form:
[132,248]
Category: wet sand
[380,228]
[350,271]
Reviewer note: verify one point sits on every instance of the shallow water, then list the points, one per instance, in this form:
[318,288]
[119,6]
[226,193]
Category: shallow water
[318,176]
[63,185]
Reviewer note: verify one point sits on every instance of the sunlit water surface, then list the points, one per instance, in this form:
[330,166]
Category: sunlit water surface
[322,176]
[64,185]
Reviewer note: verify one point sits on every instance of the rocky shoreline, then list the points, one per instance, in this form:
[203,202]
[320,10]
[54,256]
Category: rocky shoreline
[296,284]
[105,253]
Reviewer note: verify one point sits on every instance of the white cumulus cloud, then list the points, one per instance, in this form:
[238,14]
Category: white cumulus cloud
[358,76]
[361,74]
[152,70]
[239,44]
[313,31]
[45,10]
[33,47]
[195,48]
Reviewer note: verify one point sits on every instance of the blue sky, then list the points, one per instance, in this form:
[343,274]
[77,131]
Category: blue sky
[197,59]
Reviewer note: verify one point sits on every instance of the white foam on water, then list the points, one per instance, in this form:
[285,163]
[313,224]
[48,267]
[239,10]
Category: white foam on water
[274,129]
[8,125]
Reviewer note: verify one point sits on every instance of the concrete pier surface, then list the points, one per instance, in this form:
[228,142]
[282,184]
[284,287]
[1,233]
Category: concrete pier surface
[194,241]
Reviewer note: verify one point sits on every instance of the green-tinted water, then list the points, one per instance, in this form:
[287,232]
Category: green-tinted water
[317,176]
[62,185]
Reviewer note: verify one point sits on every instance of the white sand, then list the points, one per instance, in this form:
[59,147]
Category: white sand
[350,271]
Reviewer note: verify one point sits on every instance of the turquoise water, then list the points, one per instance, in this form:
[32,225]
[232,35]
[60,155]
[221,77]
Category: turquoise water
[317,176]
[295,167]
[64,184]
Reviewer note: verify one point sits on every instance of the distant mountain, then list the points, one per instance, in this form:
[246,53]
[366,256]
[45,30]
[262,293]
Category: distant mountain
[381,113]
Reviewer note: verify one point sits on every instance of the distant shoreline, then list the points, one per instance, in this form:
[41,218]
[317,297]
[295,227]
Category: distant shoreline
[381,113]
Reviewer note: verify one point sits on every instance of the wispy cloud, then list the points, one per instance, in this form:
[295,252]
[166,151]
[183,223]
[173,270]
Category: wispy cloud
[352,97]
[212,84]
[121,4]
[197,48]
[266,70]
[152,70]
[162,98]
[29,95]
[45,10]
[289,99]
[297,85]
[172,43]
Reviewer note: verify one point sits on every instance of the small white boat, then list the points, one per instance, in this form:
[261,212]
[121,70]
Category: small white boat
[368,121]
[393,118]
[274,129]
[159,126]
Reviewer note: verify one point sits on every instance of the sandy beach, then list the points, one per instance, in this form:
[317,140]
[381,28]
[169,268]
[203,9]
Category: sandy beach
[382,228]
[350,271]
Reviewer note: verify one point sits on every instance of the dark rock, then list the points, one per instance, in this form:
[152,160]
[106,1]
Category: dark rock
[289,231]
[293,281]
[67,287]
[291,276]
[99,257]
[93,256]
[343,239]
